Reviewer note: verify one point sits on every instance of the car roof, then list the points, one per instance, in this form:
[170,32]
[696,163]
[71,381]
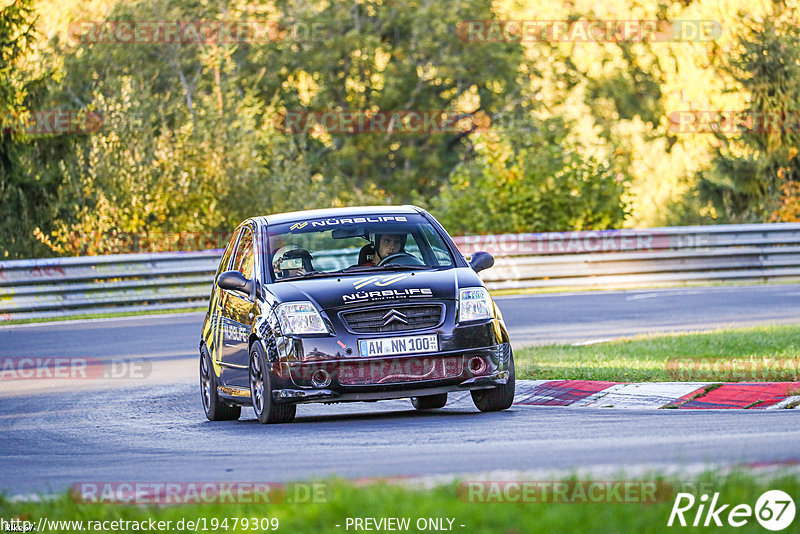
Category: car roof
[339,212]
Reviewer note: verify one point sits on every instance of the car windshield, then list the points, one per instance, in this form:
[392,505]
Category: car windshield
[322,247]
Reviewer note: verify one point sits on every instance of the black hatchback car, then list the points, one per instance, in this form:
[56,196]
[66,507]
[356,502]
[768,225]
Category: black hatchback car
[350,304]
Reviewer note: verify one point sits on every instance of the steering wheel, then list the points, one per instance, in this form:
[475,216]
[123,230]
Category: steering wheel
[401,258]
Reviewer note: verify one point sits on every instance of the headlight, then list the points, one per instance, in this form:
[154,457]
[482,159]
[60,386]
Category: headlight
[474,303]
[300,318]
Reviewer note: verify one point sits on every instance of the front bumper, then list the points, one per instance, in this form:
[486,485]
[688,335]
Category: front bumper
[391,377]
[302,396]
[328,368]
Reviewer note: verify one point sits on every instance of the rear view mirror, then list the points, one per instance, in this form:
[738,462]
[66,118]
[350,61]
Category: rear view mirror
[346,233]
[481,261]
[234,280]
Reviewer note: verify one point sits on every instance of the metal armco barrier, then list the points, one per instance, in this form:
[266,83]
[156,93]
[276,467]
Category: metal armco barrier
[105,284]
[630,258]
[608,258]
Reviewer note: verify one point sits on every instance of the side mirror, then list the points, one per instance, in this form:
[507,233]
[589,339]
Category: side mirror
[480,261]
[234,280]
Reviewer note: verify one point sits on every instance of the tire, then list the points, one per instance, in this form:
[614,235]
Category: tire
[499,398]
[267,410]
[429,402]
[215,409]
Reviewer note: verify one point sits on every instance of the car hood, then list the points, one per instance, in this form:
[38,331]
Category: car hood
[379,287]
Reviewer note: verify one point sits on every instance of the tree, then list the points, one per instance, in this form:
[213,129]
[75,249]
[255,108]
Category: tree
[754,176]
[527,177]
[27,189]
[387,56]
[190,140]
[185,143]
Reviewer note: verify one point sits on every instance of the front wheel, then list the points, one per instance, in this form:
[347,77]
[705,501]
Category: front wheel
[215,409]
[267,410]
[499,398]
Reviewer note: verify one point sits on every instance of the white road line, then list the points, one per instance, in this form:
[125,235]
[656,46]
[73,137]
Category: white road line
[784,403]
[592,342]
[644,296]
[98,320]
[645,395]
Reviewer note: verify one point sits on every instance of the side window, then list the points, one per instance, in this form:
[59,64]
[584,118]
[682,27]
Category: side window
[245,259]
[226,256]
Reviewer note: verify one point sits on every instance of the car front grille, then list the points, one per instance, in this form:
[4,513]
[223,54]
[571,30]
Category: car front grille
[393,318]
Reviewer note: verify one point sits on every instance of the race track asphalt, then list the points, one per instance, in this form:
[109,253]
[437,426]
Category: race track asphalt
[152,429]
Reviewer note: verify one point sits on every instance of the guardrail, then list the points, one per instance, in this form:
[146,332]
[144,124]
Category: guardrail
[620,258]
[629,258]
[105,284]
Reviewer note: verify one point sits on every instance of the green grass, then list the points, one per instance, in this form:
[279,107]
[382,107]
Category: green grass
[445,501]
[769,353]
[104,315]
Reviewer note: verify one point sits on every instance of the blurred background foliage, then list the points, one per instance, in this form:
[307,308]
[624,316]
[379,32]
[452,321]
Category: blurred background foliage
[580,133]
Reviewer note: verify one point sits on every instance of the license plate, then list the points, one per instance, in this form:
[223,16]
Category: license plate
[388,346]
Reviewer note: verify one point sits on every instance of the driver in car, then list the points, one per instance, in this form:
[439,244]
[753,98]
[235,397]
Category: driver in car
[387,244]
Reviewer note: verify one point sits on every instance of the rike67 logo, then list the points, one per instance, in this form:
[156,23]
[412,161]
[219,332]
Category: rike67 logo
[774,510]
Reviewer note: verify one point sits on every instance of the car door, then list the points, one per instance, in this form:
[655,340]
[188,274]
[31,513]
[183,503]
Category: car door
[238,310]
[213,328]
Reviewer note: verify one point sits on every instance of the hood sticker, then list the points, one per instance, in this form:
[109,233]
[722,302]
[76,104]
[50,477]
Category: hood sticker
[387,294]
[380,281]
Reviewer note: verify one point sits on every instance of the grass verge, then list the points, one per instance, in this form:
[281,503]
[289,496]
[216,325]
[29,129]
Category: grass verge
[576,514]
[768,353]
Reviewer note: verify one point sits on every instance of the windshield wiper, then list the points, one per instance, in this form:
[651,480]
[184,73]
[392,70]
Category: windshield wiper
[401,266]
